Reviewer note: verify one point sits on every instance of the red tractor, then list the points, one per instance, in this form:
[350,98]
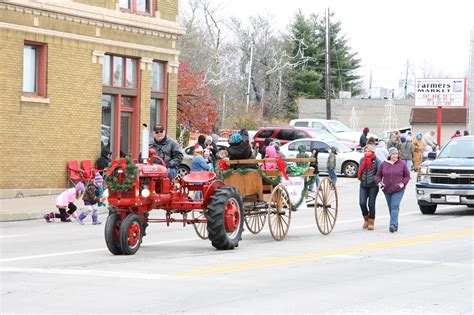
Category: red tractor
[220,206]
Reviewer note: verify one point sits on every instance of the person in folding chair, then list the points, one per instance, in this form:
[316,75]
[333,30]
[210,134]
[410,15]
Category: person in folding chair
[66,200]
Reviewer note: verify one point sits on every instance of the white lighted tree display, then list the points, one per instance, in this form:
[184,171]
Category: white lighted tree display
[354,120]
[390,119]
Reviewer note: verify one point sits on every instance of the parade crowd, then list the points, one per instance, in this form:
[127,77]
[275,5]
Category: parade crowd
[384,166]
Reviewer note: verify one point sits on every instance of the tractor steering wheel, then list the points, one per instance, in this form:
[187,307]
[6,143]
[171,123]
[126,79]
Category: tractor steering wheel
[152,158]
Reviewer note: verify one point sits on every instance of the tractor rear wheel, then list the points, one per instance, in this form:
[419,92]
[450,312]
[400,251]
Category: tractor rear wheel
[225,218]
[112,229]
[130,234]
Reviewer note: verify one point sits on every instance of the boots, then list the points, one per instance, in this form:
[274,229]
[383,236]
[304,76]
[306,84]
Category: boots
[370,226]
[80,218]
[366,222]
[95,221]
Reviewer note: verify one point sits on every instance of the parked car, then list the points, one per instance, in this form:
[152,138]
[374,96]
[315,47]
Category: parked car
[347,160]
[185,166]
[283,133]
[448,178]
[320,134]
[335,127]
[287,133]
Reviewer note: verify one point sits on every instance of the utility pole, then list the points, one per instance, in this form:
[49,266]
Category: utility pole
[328,70]
[250,77]
[406,80]
[370,84]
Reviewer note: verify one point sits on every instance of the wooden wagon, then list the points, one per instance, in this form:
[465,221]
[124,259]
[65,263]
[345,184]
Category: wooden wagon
[265,195]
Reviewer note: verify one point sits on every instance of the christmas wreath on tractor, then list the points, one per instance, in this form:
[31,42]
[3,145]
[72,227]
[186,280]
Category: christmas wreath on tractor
[121,175]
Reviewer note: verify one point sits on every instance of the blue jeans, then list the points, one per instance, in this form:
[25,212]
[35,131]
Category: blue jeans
[172,173]
[332,175]
[393,203]
[317,180]
[370,194]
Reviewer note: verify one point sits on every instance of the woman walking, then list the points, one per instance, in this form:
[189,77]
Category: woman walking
[368,191]
[392,177]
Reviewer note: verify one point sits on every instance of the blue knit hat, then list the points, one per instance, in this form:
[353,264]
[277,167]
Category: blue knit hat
[98,178]
[236,138]
[392,151]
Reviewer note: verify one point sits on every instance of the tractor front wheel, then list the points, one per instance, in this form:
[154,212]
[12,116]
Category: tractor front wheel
[112,230]
[225,218]
[130,234]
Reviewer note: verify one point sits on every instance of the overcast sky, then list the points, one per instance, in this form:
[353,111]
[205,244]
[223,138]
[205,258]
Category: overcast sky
[386,33]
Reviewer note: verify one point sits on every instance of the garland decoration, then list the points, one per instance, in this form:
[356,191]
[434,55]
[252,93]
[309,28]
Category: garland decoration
[121,175]
[292,171]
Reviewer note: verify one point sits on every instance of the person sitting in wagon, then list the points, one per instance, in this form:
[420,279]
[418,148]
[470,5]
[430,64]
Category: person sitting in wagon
[240,149]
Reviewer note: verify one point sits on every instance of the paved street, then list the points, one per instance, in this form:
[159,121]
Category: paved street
[426,267]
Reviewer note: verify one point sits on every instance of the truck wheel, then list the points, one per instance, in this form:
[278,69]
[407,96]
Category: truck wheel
[428,209]
[225,218]
[130,234]
[350,168]
[112,229]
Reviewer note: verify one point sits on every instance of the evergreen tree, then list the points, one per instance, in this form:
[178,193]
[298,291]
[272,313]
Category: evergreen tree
[308,42]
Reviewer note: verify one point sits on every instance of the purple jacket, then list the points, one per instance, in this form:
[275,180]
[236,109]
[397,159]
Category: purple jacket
[392,176]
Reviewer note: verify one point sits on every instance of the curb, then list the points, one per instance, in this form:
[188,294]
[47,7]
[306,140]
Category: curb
[35,215]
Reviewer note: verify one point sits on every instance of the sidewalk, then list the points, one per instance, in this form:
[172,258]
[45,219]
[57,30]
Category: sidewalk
[32,208]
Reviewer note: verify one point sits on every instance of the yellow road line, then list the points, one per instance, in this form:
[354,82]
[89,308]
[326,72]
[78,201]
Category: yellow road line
[317,255]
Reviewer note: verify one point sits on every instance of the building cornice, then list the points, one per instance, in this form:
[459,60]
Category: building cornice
[96,16]
[95,40]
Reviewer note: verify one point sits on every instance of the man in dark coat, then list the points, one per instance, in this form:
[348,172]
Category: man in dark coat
[104,159]
[168,149]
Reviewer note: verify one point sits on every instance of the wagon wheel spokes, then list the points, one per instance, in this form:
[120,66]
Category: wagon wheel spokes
[326,206]
[255,220]
[200,228]
[279,212]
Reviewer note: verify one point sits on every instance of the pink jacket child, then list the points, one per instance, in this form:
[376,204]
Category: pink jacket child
[270,153]
[66,200]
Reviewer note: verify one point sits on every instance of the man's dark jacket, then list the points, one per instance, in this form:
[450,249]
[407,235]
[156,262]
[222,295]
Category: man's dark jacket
[169,150]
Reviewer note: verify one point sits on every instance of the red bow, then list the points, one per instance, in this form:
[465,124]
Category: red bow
[223,165]
[115,163]
[282,167]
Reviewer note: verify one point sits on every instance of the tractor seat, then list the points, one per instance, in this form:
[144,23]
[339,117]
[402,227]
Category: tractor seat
[199,177]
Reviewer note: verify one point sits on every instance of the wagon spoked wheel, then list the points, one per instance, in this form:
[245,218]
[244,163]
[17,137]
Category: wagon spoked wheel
[279,212]
[200,228]
[255,220]
[112,231]
[326,206]
[130,234]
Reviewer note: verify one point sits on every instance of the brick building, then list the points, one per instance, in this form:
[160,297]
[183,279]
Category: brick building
[78,74]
